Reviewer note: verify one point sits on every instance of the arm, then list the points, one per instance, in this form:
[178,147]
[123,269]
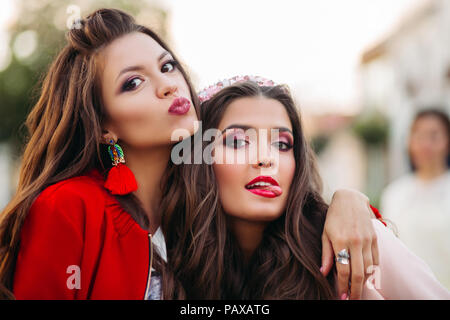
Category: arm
[401,274]
[348,226]
[51,242]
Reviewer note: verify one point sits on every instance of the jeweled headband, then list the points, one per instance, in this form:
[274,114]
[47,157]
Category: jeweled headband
[210,91]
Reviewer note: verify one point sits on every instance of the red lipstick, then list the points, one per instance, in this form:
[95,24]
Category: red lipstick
[179,106]
[264,186]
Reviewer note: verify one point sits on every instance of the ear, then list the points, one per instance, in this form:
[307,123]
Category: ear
[109,136]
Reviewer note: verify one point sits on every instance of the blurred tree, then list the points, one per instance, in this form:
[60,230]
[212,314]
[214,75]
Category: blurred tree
[372,128]
[36,37]
[319,142]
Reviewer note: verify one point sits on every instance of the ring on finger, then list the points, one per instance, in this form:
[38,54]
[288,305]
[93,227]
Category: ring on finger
[343,257]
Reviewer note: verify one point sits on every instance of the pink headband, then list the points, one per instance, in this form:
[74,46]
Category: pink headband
[210,91]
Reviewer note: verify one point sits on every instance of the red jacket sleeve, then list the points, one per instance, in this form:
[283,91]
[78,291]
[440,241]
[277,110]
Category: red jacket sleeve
[51,247]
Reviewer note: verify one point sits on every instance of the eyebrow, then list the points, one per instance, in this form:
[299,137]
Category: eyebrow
[140,67]
[245,127]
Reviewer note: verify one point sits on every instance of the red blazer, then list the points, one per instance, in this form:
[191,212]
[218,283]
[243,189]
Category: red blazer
[78,243]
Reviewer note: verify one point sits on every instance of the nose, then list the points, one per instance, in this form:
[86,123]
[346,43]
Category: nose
[265,162]
[166,88]
[265,158]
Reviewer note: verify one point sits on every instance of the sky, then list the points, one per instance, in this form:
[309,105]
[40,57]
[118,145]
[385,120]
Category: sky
[6,14]
[314,46]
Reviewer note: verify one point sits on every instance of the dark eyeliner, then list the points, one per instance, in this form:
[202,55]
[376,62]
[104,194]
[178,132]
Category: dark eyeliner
[233,141]
[128,82]
[173,62]
[287,148]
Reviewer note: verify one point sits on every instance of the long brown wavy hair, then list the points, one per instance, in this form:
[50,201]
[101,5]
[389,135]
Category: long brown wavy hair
[65,128]
[203,253]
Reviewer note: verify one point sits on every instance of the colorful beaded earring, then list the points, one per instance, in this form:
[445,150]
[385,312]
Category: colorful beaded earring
[120,178]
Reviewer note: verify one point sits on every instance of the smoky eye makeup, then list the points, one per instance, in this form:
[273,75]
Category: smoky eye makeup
[131,84]
[169,66]
[284,141]
[235,138]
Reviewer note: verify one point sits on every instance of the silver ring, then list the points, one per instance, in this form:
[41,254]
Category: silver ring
[343,257]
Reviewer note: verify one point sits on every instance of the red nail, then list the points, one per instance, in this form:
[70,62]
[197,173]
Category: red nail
[344,296]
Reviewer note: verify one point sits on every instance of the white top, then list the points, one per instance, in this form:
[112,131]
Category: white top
[420,212]
[159,244]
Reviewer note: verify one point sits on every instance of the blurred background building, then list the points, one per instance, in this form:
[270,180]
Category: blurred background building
[407,71]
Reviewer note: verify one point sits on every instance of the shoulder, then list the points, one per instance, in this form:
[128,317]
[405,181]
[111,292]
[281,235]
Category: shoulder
[71,198]
[400,183]
[396,190]
[393,253]
[446,177]
[84,187]
[384,234]
[401,272]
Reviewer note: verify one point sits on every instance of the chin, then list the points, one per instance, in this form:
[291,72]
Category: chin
[262,215]
[187,123]
[183,130]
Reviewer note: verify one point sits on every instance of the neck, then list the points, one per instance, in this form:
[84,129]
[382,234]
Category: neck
[148,167]
[249,235]
[430,172]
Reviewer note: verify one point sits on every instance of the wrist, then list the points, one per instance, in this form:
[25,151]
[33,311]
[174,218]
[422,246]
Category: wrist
[350,193]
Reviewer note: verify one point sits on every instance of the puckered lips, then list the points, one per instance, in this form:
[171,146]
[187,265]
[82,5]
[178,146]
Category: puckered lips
[264,186]
[179,106]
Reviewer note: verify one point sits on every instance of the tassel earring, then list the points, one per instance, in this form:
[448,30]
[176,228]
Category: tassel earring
[120,179]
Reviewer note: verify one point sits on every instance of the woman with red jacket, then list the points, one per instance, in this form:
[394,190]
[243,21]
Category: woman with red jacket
[83,225]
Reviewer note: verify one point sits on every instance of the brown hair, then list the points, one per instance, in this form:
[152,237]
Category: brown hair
[65,127]
[204,255]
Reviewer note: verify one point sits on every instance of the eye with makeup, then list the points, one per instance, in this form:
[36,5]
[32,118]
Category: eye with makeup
[236,140]
[283,146]
[169,66]
[131,84]
[134,82]
[284,143]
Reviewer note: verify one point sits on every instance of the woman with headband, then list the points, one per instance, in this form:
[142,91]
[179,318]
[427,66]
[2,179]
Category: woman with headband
[257,231]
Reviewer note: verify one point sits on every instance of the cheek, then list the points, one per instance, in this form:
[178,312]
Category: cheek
[136,123]
[131,110]
[286,169]
[135,109]
[442,146]
[228,176]
[183,87]
[229,179]
[142,120]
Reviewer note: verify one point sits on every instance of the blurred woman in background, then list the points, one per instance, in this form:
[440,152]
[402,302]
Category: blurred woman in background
[419,203]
